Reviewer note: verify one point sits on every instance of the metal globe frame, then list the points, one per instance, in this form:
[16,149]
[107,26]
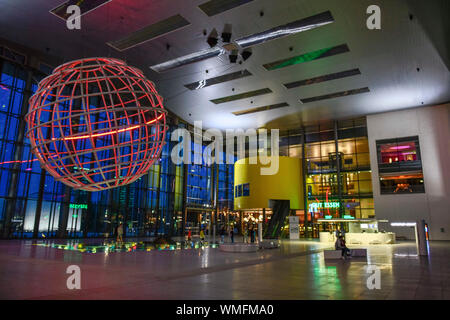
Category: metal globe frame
[96,124]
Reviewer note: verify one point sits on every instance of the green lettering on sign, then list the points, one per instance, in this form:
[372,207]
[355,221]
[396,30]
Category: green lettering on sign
[78,206]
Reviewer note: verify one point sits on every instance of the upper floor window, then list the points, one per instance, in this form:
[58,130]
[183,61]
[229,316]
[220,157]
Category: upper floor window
[400,165]
[400,154]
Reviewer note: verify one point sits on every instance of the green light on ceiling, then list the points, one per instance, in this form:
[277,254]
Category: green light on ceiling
[300,59]
[310,56]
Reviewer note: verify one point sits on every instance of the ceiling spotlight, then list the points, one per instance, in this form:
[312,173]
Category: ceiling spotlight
[226,37]
[233,56]
[246,54]
[212,38]
[226,33]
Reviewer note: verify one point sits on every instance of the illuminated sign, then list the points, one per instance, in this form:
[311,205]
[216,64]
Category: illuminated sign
[78,206]
[348,217]
[328,217]
[320,205]
[403,224]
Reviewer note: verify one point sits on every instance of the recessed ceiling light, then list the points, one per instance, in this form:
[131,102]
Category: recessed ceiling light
[306,57]
[336,95]
[213,7]
[85,7]
[323,78]
[150,32]
[242,96]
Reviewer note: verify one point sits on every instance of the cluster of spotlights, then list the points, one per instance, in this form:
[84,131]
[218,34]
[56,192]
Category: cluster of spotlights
[225,37]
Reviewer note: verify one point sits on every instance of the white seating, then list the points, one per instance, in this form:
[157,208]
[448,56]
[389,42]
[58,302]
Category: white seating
[239,247]
[358,252]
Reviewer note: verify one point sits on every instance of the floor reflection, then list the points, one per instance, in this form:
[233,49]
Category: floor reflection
[113,246]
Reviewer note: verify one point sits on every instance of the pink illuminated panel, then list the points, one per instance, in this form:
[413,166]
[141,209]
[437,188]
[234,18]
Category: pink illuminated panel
[398,152]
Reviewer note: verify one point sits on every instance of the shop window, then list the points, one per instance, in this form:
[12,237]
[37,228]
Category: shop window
[400,166]
[402,154]
[407,183]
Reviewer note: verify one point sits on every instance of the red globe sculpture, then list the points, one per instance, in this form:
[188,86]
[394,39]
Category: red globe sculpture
[96,124]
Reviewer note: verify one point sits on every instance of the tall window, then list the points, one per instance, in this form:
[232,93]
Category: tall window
[400,166]
[322,186]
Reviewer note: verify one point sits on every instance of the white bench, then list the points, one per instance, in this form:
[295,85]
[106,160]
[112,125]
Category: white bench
[358,252]
[239,247]
[337,254]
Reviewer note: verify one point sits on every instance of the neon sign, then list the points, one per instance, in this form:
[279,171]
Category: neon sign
[313,207]
[78,206]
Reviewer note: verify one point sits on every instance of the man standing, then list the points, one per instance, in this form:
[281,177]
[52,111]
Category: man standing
[232,235]
[120,233]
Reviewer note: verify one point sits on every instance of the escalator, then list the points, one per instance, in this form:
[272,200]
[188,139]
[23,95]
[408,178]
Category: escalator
[280,210]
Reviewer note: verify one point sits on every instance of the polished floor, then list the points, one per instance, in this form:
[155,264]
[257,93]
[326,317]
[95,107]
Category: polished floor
[297,270]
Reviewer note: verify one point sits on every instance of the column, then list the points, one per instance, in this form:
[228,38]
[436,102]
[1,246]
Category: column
[338,168]
[12,192]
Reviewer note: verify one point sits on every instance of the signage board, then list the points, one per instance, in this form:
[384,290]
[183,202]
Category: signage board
[294,232]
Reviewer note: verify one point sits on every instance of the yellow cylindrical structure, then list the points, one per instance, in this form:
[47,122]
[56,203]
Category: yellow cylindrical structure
[253,190]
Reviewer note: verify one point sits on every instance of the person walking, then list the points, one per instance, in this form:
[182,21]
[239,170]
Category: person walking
[189,235]
[232,235]
[202,235]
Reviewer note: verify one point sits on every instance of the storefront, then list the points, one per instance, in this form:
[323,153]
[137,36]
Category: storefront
[356,231]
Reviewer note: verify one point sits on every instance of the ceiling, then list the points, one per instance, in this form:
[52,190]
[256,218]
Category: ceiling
[404,65]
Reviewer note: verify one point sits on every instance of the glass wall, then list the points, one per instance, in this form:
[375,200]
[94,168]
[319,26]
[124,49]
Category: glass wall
[209,189]
[329,194]
[351,196]
[42,207]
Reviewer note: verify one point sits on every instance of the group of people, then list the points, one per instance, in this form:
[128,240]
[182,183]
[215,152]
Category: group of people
[202,235]
[250,232]
[223,232]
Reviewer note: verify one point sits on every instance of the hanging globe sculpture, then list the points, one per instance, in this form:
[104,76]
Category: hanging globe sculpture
[96,124]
